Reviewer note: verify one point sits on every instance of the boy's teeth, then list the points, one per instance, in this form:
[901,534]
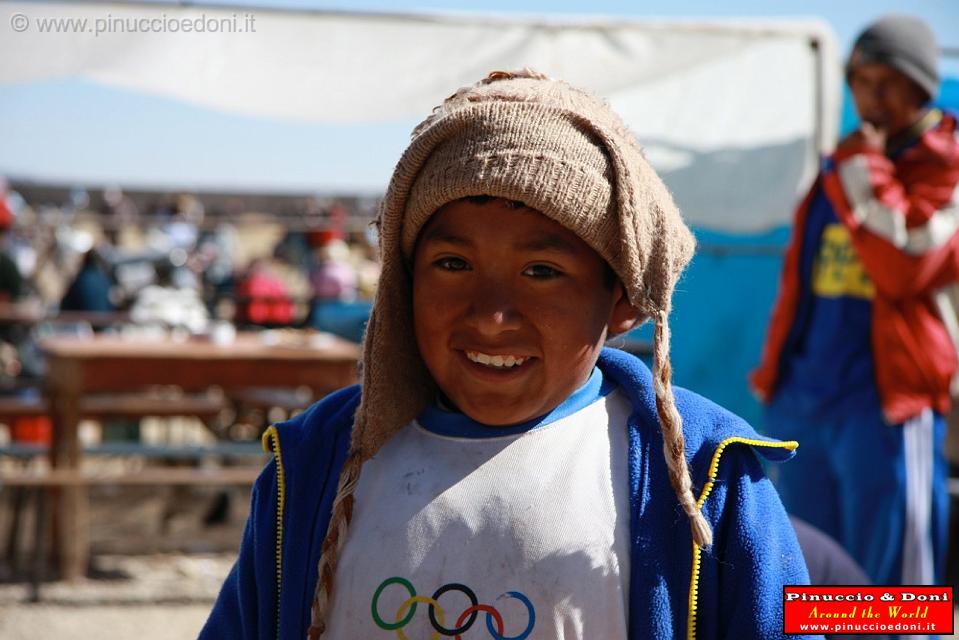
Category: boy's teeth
[502,362]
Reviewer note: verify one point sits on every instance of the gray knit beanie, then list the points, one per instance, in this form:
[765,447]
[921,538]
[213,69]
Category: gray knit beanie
[904,43]
[561,151]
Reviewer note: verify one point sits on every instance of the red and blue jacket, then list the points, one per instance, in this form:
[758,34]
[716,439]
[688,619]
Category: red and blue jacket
[899,210]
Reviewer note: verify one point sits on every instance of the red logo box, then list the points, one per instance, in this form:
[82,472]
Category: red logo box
[857,609]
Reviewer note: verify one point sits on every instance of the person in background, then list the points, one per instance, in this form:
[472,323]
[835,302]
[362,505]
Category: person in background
[119,211]
[263,299]
[335,283]
[90,289]
[829,564]
[12,288]
[333,277]
[165,303]
[858,359]
[11,280]
[214,260]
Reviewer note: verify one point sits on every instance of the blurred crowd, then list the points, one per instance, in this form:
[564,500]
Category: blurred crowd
[171,267]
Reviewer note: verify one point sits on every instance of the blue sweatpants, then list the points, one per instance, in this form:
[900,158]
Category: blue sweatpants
[879,490]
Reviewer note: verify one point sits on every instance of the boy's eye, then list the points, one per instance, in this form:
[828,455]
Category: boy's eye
[541,271]
[451,263]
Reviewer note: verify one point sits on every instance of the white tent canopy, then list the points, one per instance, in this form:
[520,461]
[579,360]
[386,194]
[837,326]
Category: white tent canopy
[733,114]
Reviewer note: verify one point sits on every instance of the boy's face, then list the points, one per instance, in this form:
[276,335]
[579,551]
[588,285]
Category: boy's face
[511,309]
[885,97]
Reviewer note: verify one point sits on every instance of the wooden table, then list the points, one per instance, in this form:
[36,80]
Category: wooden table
[30,312]
[112,364]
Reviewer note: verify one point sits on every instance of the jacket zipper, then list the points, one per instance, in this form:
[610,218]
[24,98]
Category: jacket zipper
[271,444]
[707,489]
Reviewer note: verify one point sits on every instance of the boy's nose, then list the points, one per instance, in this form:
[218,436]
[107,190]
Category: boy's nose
[494,311]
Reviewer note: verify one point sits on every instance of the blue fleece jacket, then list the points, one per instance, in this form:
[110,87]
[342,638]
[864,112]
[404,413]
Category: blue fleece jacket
[730,590]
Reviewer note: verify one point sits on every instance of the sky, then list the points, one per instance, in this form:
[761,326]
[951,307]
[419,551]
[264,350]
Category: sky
[69,130]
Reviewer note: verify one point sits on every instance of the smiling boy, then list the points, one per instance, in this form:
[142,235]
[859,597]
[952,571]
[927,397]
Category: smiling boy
[513,303]
[501,474]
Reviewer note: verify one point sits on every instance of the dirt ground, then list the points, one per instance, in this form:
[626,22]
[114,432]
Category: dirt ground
[158,563]
[145,597]
[103,622]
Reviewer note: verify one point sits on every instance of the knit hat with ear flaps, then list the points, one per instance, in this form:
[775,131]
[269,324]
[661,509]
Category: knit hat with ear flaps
[562,152]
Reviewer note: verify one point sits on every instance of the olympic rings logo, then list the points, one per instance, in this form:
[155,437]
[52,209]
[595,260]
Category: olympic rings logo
[463,622]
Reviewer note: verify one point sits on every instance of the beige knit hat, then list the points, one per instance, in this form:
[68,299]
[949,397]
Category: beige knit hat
[522,137]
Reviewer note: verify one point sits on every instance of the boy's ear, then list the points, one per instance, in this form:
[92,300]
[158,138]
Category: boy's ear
[623,316]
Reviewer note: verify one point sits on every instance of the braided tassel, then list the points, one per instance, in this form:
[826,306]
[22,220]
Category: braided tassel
[674,446]
[335,539]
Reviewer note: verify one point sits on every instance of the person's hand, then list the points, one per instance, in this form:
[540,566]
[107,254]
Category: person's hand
[873,136]
[867,135]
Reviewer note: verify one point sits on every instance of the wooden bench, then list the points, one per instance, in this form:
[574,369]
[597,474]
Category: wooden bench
[270,397]
[41,481]
[27,451]
[120,405]
[168,476]
[206,406]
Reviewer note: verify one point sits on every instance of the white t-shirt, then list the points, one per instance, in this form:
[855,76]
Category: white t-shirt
[530,530]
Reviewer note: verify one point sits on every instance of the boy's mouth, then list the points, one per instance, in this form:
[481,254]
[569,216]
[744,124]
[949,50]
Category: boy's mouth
[496,361]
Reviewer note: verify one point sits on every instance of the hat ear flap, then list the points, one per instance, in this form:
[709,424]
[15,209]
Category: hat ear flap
[387,405]
[388,348]
[655,247]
